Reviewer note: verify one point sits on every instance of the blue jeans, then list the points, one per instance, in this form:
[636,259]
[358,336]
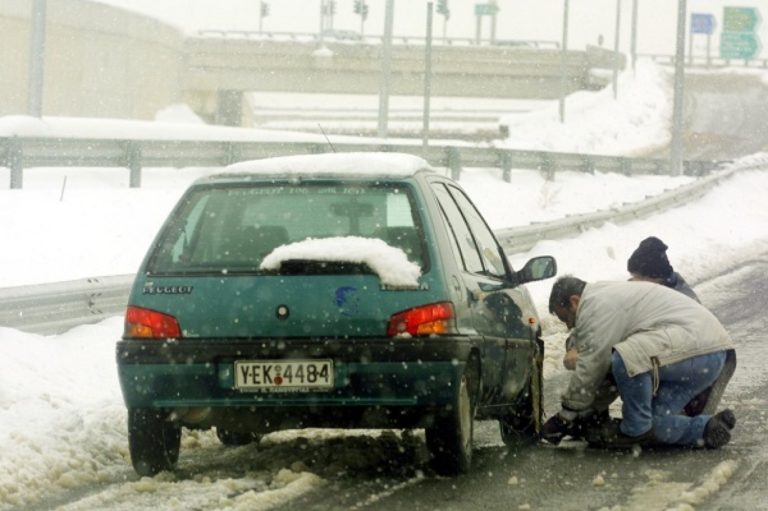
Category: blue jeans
[678,384]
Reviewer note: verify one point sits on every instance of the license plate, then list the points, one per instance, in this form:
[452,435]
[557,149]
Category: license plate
[285,375]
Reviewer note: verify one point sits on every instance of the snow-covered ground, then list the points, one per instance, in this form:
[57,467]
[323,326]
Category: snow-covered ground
[644,100]
[62,420]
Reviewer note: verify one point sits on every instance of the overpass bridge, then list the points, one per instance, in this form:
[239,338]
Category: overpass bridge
[221,69]
[102,61]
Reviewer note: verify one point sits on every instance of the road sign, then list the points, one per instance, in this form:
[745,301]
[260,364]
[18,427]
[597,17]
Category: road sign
[486,9]
[740,19]
[739,39]
[702,23]
[739,45]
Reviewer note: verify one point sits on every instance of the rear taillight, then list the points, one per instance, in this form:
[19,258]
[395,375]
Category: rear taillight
[149,324]
[432,319]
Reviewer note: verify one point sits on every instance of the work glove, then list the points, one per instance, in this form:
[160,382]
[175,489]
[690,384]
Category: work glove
[556,428]
[571,423]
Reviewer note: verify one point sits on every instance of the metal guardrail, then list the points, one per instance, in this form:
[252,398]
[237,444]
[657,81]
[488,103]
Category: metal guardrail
[519,239]
[57,307]
[19,153]
[54,308]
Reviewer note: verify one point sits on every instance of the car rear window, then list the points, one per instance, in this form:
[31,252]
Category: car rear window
[232,228]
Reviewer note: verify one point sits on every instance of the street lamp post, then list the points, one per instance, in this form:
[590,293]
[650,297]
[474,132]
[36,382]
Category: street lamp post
[322,22]
[427,77]
[633,49]
[563,57]
[494,12]
[676,151]
[36,59]
[386,69]
[615,80]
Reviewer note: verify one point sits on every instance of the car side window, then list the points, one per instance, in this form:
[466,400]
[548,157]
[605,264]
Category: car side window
[455,250]
[488,247]
[459,229]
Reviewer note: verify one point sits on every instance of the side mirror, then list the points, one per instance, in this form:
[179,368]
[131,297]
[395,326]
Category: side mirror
[538,268]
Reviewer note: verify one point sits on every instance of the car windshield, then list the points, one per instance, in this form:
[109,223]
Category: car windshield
[232,228]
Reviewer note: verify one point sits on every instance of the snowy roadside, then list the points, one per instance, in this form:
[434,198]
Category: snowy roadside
[63,420]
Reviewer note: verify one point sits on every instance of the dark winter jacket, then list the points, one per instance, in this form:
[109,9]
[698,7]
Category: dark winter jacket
[678,283]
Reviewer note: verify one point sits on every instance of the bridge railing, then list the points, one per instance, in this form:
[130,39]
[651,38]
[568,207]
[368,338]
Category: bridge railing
[704,61]
[348,36]
[20,153]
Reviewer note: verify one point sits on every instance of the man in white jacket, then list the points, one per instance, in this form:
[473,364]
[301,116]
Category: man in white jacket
[662,349]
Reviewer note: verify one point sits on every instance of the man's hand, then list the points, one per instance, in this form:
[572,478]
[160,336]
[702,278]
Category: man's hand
[555,429]
[570,358]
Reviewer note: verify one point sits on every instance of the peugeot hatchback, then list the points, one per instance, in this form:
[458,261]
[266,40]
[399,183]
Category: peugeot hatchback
[358,290]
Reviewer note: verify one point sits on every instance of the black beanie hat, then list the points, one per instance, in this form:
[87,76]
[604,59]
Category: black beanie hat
[650,259]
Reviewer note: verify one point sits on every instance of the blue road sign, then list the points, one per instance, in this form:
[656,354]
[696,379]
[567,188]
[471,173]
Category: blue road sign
[702,23]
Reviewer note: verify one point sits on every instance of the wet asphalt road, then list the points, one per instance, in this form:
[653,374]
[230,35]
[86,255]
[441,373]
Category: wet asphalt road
[724,117]
[573,477]
[392,474]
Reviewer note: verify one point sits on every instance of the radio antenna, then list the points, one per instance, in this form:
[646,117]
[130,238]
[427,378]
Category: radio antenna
[326,137]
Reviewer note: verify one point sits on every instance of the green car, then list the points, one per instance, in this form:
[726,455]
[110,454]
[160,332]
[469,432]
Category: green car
[357,290]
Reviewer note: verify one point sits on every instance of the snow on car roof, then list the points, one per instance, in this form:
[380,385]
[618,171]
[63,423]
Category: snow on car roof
[388,262]
[354,164]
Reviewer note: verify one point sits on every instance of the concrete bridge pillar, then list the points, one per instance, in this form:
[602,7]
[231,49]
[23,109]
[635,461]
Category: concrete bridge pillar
[229,107]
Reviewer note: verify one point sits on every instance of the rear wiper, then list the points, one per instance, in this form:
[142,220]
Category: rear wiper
[313,267]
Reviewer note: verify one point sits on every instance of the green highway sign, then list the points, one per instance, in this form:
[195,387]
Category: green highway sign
[738,39]
[486,9]
[739,45]
[740,19]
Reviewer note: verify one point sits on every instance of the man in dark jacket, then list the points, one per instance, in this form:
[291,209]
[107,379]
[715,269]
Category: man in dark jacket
[649,262]
[661,348]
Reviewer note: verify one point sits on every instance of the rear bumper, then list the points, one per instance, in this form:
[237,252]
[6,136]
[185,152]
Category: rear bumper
[392,373]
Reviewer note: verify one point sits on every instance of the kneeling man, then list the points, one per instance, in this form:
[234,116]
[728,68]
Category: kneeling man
[662,349]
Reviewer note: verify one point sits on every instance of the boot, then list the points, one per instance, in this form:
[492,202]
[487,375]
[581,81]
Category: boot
[717,432]
[583,426]
[609,436]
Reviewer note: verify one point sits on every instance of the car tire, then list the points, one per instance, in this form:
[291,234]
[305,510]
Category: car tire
[523,423]
[230,438]
[153,441]
[449,439]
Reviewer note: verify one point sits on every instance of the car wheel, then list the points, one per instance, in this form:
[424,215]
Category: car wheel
[449,439]
[523,423]
[230,438]
[153,441]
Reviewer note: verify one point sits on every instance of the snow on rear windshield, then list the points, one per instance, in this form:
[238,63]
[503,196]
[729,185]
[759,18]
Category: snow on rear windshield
[389,263]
